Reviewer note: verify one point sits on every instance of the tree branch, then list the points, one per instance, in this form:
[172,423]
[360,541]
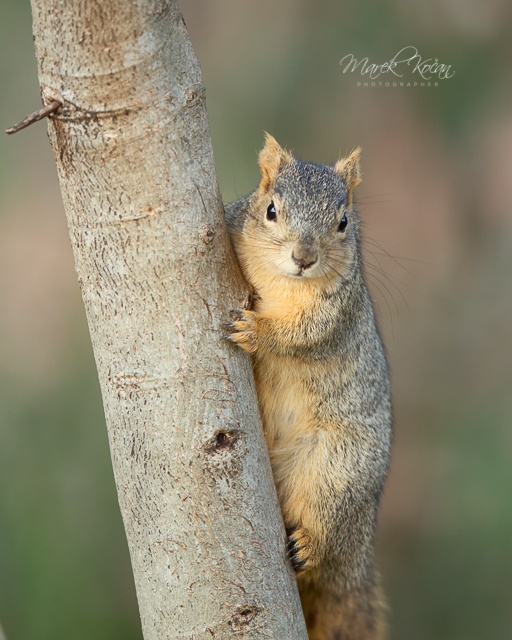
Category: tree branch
[35,117]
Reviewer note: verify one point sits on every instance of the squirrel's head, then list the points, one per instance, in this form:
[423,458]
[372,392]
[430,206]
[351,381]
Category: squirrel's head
[303,224]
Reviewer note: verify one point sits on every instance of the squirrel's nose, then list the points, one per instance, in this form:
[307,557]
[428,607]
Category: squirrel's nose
[305,260]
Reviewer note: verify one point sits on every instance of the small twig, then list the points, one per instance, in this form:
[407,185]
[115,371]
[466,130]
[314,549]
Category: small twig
[34,117]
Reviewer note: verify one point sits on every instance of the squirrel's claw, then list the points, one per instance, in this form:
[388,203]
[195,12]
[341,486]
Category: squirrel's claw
[300,549]
[242,329]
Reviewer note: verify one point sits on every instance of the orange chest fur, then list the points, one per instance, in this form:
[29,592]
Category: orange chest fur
[284,401]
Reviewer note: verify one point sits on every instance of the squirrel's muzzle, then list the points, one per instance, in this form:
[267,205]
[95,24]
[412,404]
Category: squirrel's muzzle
[304,258]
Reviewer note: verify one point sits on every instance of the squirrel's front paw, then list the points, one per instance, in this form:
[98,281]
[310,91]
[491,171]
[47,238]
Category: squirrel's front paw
[242,330]
[300,549]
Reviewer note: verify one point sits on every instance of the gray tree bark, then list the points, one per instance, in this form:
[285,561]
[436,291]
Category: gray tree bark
[158,276]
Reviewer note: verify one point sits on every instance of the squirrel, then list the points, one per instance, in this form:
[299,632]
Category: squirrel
[321,378]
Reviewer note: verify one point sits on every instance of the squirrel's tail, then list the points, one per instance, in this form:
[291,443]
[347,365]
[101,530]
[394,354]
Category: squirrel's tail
[356,615]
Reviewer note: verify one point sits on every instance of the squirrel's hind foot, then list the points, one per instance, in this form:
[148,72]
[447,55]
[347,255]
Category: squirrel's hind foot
[300,549]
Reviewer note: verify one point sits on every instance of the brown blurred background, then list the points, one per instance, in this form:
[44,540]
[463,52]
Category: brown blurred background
[435,200]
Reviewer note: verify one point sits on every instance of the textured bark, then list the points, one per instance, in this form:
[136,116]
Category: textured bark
[158,276]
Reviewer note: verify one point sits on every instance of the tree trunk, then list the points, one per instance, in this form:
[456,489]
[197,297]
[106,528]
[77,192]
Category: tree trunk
[158,277]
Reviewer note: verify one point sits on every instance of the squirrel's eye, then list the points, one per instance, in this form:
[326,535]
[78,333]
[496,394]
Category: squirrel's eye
[271,212]
[343,223]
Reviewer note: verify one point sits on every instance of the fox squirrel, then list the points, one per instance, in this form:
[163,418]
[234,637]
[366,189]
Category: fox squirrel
[321,379]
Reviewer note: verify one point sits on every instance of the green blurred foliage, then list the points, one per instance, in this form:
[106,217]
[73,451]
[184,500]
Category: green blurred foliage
[436,209]
[65,571]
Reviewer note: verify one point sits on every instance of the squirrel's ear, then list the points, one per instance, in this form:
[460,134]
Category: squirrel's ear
[272,159]
[349,171]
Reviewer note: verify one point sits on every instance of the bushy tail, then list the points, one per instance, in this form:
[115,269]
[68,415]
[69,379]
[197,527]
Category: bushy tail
[357,615]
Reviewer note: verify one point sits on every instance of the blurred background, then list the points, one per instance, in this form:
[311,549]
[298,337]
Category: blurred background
[435,201]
